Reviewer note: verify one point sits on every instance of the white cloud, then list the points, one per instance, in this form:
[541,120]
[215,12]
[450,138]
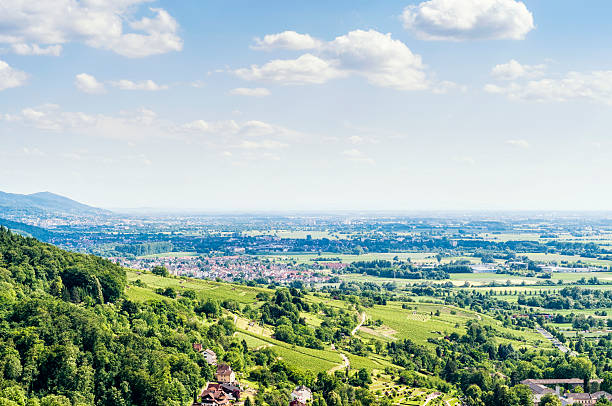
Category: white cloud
[379,58]
[515,70]
[35,49]
[305,69]
[254,92]
[518,143]
[286,40]
[356,155]
[144,123]
[49,118]
[359,140]
[459,20]
[202,126]
[255,128]
[595,86]
[103,24]
[383,60]
[88,84]
[10,77]
[249,129]
[250,140]
[142,85]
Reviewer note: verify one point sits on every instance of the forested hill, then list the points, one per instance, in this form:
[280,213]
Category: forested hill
[69,336]
[39,233]
[30,266]
[45,203]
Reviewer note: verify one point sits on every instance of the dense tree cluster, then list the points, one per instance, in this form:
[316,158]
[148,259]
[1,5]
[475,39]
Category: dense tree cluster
[400,270]
[283,311]
[570,298]
[26,266]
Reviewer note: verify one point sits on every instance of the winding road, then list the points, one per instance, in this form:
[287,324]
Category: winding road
[346,364]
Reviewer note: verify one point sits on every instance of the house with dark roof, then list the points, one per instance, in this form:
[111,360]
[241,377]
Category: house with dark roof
[218,394]
[588,399]
[225,374]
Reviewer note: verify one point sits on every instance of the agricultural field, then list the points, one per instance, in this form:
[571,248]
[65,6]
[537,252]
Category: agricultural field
[559,258]
[485,278]
[310,359]
[458,279]
[422,322]
[203,288]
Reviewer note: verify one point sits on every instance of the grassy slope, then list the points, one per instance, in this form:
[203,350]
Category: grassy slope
[418,325]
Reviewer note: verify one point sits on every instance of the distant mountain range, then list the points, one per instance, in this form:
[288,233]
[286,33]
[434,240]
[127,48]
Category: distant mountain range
[45,204]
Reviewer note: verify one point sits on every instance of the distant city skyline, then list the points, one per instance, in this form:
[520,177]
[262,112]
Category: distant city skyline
[344,105]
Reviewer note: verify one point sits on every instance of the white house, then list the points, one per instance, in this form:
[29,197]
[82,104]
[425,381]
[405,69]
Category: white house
[210,356]
[302,394]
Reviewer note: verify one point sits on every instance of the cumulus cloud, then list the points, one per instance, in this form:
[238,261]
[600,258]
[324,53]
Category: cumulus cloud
[595,86]
[35,49]
[248,129]
[11,77]
[518,143]
[253,92]
[149,85]
[305,69]
[110,25]
[380,59]
[460,20]
[290,40]
[515,70]
[88,84]
[206,127]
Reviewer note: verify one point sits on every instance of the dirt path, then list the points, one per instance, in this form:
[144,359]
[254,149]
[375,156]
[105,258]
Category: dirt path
[363,319]
[345,364]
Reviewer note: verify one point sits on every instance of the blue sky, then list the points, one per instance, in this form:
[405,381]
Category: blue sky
[395,105]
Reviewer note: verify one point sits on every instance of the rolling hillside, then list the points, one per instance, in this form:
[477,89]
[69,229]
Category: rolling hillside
[45,204]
